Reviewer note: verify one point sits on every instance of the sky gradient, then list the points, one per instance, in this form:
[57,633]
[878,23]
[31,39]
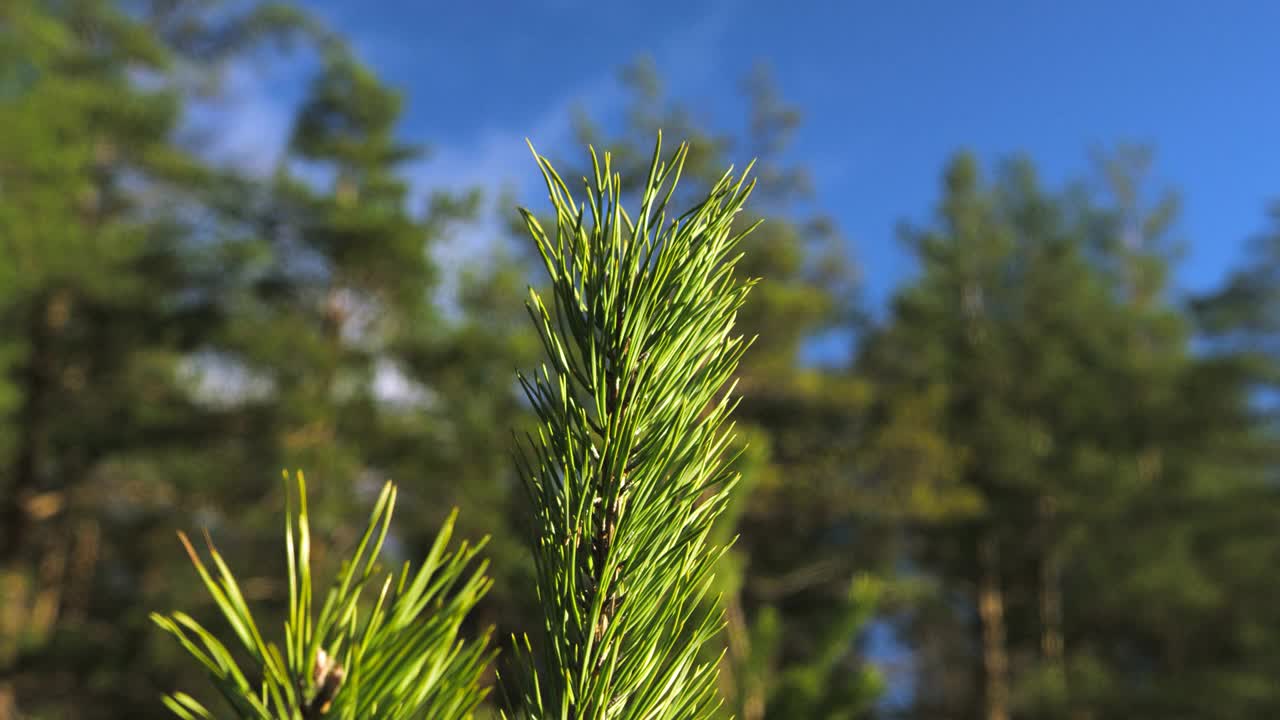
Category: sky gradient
[889,91]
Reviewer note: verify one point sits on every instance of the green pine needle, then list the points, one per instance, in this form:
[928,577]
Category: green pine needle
[627,469]
[402,657]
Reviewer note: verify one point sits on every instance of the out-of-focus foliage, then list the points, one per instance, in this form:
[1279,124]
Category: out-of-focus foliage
[173,326]
[105,292]
[1083,569]
[1053,482]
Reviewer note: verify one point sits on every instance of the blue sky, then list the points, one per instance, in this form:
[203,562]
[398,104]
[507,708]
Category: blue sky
[889,91]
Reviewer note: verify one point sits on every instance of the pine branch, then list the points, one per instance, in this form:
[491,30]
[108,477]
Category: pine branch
[627,470]
[401,658]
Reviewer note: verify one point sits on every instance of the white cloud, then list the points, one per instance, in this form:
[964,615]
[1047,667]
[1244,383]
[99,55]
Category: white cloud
[248,124]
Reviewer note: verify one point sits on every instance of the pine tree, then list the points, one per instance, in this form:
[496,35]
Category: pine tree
[186,323]
[101,218]
[1039,361]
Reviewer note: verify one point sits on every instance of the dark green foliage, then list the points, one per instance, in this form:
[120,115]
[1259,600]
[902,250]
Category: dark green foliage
[172,328]
[1091,459]
[101,303]
[818,686]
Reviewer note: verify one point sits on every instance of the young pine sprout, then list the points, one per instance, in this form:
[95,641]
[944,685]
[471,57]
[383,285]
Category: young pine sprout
[627,470]
[395,652]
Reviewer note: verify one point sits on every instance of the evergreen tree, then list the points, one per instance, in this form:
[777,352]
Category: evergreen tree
[101,288]
[184,326]
[1038,358]
[337,314]
[1239,321]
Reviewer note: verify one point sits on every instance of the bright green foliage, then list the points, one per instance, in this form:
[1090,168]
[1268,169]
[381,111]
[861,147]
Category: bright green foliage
[626,469]
[795,509]
[400,657]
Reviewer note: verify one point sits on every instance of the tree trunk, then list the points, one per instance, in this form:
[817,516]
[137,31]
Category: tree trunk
[736,672]
[995,659]
[36,381]
[1052,645]
[8,705]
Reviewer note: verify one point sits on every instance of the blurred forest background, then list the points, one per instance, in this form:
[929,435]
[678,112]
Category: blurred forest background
[1038,480]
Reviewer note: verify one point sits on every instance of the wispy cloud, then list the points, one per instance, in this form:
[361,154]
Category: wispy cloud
[496,159]
[248,127]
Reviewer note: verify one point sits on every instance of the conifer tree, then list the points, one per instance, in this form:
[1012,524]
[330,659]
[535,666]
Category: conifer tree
[106,216]
[178,323]
[1067,465]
